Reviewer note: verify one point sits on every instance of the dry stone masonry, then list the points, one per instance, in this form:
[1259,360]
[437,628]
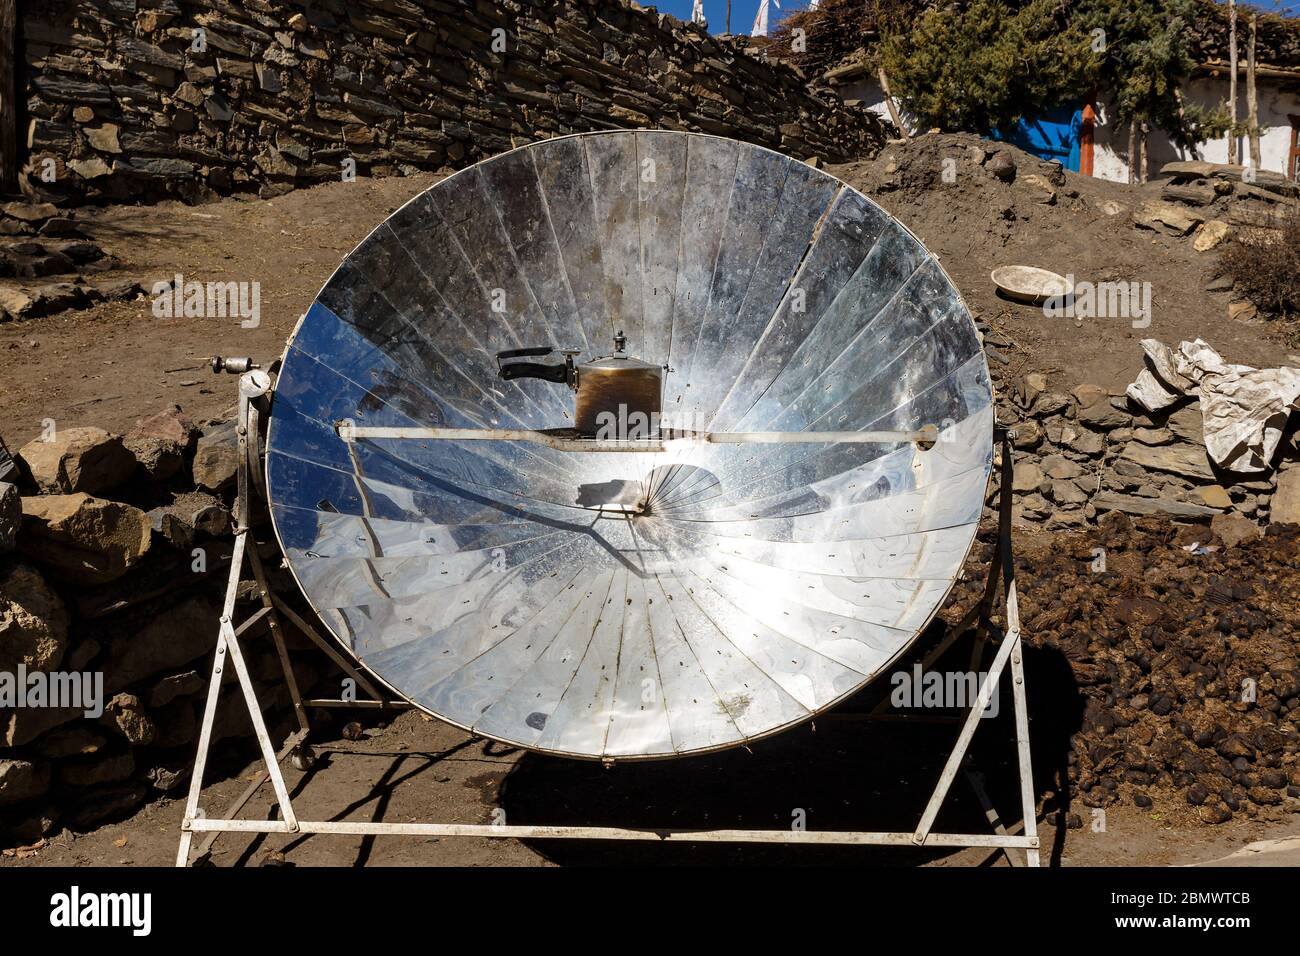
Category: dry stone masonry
[113,559]
[1087,452]
[141,99]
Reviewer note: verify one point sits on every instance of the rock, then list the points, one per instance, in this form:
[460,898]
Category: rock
[1058,466]
[1096,410]
[171,424]
[1035,504]
[1002,165]
[21,725]
[1285,508]
[1198,193]
[1244,311]
[90,168]
[71,742]
[1210,235]
[177,685]
[1153,436]
[87,540]
[1028,435]
[1038,189]
[30,212]
[1171,219]
[216,459]
[1189,461]
[1066,519]
[11,515]
[1082,440]
[158,458]
[78,459]
[1029,387]
[170,528]
[1151,506]
[33,622]
[118,290]
[1186,423]
[177,724]
[96,770]
[125,714]
[14,302]
[108,804]
[1233,529]
[1214,496]
[1220,284]
[22,780]
[198,512]
[1050,403]
[1067,493]
[1027,478]
[165,645]
[103,138]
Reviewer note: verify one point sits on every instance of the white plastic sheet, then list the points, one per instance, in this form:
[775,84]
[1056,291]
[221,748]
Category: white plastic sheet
[1244,409]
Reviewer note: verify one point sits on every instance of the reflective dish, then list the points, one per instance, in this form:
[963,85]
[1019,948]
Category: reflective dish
[632,605]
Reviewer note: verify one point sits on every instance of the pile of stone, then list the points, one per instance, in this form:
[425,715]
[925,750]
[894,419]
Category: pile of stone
[113,556]
[1088,452]
[38,241]
[141,101]
[1208,200]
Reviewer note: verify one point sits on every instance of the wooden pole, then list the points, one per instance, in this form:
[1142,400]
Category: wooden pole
[8,96]
[1142,153]
[1132,149]
[889,102]
[1234,141]
[728,16]
[1252,96]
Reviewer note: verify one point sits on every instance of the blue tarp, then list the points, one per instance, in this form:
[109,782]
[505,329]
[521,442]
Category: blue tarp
[1054,134]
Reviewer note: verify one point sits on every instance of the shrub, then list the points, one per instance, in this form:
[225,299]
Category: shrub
[1264,264]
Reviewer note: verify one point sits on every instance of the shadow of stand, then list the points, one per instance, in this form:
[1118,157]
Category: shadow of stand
[839,772]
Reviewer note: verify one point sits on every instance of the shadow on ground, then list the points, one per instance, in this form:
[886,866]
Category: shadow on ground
[838,773]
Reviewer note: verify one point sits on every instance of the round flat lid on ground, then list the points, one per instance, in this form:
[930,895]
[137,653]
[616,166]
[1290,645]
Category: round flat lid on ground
[632,605]
[1030,284]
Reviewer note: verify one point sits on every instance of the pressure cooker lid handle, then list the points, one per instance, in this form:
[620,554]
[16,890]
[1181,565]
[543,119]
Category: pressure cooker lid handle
[524,353]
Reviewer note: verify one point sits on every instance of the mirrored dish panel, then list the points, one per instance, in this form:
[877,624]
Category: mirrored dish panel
[632,605]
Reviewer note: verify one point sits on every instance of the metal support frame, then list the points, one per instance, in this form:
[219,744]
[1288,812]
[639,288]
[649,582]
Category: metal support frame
[254,390]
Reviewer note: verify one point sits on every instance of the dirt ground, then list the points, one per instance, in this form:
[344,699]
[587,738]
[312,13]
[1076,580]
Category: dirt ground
[976,223]
[115,362]
[416,769]
[840,772]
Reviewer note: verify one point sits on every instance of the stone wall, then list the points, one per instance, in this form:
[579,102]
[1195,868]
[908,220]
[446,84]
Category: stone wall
[1085,452]
[114,554]
[141,99]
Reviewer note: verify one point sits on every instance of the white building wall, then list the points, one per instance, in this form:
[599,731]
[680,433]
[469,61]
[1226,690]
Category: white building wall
[1276,106]
[873,98]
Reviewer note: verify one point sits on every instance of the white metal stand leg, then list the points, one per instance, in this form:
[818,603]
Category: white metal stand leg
[253,386]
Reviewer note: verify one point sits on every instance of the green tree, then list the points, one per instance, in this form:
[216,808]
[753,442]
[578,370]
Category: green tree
[984,64]
[1143,57]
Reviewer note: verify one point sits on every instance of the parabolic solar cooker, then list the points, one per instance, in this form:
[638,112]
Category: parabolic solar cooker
[631,444]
